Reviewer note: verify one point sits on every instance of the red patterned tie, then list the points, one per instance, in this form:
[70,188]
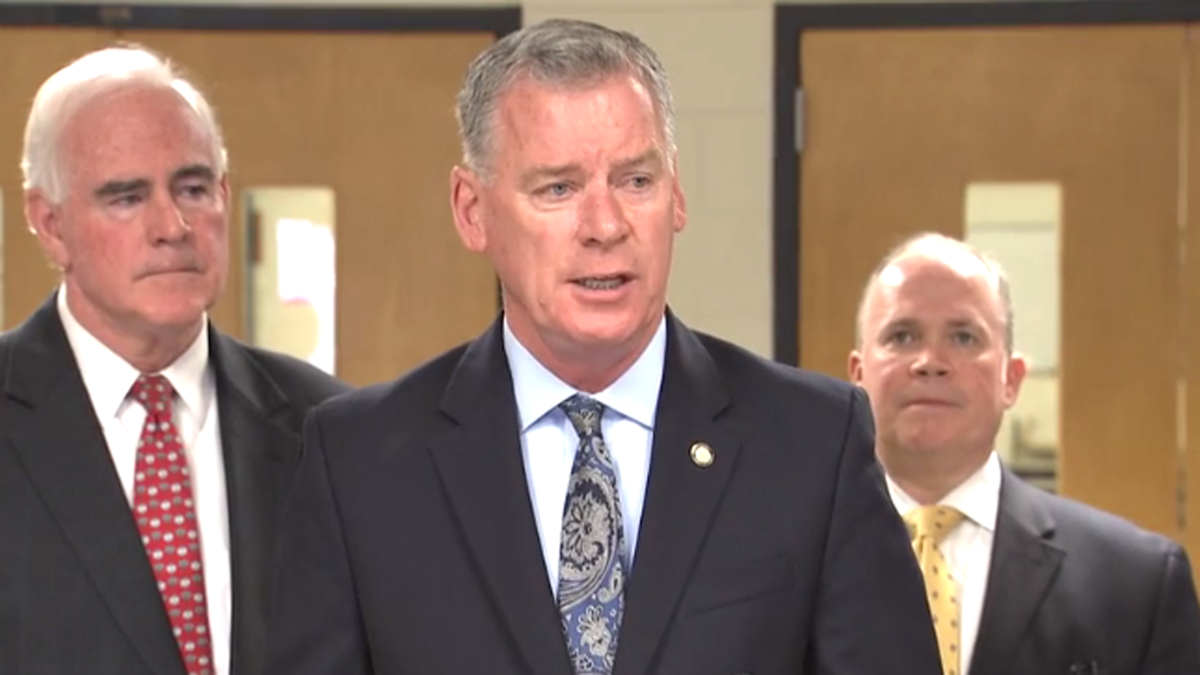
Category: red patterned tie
[166,517]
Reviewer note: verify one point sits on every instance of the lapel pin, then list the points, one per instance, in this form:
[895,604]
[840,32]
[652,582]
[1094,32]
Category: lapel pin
[702,454]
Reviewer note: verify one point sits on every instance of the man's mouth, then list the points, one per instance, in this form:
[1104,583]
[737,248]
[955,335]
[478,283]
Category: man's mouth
[604,283]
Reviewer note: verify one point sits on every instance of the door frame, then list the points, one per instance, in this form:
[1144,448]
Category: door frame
[500,20]
[790,23]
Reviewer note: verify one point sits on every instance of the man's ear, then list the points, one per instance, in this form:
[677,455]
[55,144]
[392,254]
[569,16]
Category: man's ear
[223,189]
[854,369]
[465,188]
[45,222]
[679,217]
[1014,376]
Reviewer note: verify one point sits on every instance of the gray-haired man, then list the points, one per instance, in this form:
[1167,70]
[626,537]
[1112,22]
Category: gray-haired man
[144,455]
[590,486]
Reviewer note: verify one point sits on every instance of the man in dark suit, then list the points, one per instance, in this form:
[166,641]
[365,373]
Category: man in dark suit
[590,486]
[1019,580]
[144,456]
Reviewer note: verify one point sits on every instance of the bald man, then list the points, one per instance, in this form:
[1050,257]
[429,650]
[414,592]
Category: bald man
[1018,580]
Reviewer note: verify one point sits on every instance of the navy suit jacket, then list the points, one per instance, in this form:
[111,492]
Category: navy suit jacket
[1076,591]
[412,548]
[77,594]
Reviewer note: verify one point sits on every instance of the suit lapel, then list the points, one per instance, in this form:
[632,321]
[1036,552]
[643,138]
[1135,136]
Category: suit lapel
[481,468]
[260,455]
[681,497]
[1024,564]
[62,448]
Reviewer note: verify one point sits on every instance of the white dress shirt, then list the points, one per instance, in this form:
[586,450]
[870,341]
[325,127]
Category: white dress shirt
[968,548]
[108,379]
[549,441]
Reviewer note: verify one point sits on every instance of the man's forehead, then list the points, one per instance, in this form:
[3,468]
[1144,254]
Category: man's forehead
[108,136]
[136,109]
[94,173]
[955,314]
[955,288]
[528,104]
[940,266]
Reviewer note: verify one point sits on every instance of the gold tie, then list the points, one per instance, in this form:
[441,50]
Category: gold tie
[927,526]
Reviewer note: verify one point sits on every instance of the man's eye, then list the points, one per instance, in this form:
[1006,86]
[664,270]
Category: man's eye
[554,191]
[964,338]
[194,191]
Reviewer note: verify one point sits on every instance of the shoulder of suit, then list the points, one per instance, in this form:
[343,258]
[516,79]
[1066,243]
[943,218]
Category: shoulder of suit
[299,380]
[416,391]
[26,330]
[7,339]
[1083,524]
[745,369]
[40,332]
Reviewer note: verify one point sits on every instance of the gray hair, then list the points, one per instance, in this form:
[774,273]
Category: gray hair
[932,240]
[92,75]
[556,52]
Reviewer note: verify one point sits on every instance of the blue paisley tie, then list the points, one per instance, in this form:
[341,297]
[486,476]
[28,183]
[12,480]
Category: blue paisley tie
[591,576]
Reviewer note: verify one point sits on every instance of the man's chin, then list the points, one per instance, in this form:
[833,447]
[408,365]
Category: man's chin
[929,442]
[601,336]
[180,315]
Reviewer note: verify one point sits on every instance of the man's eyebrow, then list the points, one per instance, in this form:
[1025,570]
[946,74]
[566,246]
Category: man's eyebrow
[964,323]
[194,171]
[553,170]
[113,188]
[540,173]
[901,321]
[910,322]
[651,156]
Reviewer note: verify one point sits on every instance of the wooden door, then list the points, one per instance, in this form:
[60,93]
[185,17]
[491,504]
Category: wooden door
[901,122]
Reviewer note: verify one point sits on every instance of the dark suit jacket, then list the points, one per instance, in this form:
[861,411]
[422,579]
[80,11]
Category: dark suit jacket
[77,595]
[1075,591]
[412,547]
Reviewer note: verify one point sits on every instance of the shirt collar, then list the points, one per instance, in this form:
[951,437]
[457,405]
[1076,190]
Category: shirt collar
[633,395]
[977,497]
[109,378]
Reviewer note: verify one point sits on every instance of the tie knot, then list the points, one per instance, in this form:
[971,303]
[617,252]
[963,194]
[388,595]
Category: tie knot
[585,413]
[934,521]
[153,392]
